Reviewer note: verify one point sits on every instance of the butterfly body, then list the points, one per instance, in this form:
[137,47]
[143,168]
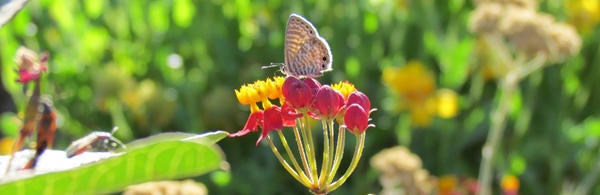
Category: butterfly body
[307,54]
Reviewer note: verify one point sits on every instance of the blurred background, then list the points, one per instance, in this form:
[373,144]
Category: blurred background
[172,65]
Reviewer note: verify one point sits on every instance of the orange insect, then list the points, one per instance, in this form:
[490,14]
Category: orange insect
[45,134]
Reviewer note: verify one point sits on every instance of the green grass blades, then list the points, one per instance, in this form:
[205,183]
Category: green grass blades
[159,157]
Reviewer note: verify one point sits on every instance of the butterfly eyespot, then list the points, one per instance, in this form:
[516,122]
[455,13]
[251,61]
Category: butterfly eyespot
[324,59]
[323,65]
[311,32]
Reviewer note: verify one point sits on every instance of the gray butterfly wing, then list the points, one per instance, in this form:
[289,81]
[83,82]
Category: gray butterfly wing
[313,58]
[306,53]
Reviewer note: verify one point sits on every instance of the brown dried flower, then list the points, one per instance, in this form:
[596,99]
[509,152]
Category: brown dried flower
[528,4]
[530,32]
[402,172]
[485,18]
[167,187]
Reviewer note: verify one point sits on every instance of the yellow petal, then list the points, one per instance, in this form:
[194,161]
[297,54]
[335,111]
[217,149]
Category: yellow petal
[447,103]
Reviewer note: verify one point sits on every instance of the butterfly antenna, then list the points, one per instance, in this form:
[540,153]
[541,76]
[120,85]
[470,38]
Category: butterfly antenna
[272,65]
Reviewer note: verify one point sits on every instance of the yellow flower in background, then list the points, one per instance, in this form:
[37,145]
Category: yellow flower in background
[420,117]
[416,86]
[510,184]
[447,103]
[583,14]
[447,185]
[6,145]
[413,81]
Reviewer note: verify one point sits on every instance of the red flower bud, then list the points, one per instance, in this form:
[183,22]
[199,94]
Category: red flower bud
[361,99]
[356,119]
[297,94]
[314,84]
[328,102]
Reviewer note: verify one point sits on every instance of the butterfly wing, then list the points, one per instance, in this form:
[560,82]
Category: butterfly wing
[297,32]
[306,52]
[313,58]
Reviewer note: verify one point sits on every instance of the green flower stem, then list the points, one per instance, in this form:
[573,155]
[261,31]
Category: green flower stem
[509,85]
[311,150]
[331,143]
[285,164]
[326,155]
[291,155]
[306,151]
[30,119]
[339,153]
[301,151]
[330,174]
[358,150]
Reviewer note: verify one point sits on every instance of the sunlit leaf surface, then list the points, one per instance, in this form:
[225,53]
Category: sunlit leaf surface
[160,157]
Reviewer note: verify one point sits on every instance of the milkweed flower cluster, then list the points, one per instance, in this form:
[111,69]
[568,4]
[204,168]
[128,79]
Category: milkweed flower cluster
[290,103]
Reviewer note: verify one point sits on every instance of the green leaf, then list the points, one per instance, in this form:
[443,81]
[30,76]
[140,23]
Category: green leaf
[370,23]
[159,17]
[9,124]
[517,164]
[160,157]
[455,62]
[93,8]
[183,12]
[352,66]
[432,43]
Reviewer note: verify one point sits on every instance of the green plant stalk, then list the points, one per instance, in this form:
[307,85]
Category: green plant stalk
[339,153]
[302,152]
[292,157]
[590,179]
[284,163]
[331,143]
[326,155]
[331,154]
[508,85]
[307,148]
[311,153]
[355,159]
[29,122]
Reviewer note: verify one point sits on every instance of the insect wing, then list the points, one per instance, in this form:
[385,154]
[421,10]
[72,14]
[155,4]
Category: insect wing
[306,53]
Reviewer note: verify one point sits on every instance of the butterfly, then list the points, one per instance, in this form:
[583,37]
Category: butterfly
[306,54]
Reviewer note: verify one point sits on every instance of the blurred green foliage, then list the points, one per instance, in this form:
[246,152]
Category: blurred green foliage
[172,65]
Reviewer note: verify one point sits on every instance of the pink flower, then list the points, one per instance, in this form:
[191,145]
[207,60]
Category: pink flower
[356,119]
[361,99]
[327,102]
[30,66]
[297,93]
